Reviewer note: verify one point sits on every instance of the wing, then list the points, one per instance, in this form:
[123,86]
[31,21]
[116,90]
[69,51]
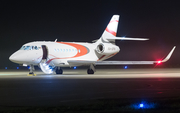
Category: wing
[83,62]
[135,62]
[123,62]
[80,62]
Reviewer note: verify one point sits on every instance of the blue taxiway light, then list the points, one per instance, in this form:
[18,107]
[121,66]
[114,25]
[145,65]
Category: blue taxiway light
[5,67]
[125,67]
[17,67]
[144,105]
[141,105]
[75,67]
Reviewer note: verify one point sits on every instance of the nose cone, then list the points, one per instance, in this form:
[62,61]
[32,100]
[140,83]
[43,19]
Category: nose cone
[17,57]
[25,57]
[11,58]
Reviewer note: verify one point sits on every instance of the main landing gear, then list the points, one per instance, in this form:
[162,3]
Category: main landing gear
[31,69]
[59,70]
[91,69]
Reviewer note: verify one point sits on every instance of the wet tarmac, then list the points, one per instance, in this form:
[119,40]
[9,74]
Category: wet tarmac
[76,87]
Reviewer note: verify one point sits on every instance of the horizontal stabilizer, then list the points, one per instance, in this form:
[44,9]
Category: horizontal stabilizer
[125,38]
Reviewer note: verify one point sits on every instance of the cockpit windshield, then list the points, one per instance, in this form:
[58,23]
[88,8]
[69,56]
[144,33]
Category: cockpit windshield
[22,48]
[29,48]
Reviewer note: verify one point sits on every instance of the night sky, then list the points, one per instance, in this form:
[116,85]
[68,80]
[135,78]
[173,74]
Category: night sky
[23,21]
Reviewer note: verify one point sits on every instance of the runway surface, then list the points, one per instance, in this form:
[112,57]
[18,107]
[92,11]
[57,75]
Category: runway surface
[76,87]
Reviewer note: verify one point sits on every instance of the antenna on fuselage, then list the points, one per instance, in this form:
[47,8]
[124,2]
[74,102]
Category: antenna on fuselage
[55,40]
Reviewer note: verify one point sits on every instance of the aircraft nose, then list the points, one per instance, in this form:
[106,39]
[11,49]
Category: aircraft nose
[16,57]
[11,58]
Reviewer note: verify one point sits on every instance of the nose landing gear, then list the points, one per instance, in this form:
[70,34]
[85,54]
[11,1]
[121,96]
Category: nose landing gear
[31,69]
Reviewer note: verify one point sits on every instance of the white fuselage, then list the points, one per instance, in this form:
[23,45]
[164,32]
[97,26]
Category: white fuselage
[60,52]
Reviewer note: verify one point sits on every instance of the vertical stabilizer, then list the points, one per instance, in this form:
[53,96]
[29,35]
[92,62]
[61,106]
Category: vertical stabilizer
[111,28]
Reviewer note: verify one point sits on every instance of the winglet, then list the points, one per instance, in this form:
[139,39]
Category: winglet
[168,56]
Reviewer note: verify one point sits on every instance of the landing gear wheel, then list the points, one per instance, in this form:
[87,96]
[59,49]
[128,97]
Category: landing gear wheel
[31,74]
[90,71]
[59,71]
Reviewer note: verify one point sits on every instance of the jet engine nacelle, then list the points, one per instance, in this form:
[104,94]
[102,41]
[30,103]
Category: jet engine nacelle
[107,49]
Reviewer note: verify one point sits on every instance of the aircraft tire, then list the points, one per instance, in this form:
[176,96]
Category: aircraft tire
[90,71]
[59,71]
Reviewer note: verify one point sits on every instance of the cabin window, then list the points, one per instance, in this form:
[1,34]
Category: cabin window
[35,47]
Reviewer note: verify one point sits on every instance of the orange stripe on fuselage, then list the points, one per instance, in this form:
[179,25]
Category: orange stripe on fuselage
[101,57]
[111,55]
[82,49]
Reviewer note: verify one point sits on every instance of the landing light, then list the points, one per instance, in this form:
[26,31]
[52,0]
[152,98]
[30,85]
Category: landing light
[123,37]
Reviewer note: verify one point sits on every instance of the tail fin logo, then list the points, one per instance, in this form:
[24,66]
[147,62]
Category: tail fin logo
[111,29]
[112,26]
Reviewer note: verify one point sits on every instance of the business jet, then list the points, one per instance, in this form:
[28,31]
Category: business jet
[51,56]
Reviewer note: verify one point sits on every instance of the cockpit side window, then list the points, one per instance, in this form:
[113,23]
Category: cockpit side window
[29,48]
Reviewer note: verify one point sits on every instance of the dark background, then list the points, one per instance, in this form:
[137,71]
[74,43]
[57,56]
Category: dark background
[24,21]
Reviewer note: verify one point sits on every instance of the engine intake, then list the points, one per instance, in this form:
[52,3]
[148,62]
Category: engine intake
[100,48]
[106,49]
